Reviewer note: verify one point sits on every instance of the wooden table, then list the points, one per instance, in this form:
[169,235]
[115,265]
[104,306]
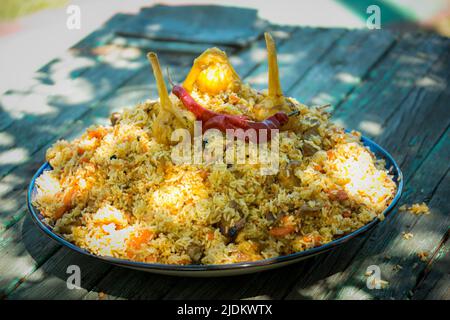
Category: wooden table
[392,87]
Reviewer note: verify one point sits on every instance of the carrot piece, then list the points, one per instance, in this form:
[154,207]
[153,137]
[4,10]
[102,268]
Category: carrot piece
[281,231]
[285,220]
[331,155]
[233,99]
[98,133]
[60,211]
[145,147]
[183,261]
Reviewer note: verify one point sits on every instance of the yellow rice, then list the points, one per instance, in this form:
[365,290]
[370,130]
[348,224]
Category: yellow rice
[128,200]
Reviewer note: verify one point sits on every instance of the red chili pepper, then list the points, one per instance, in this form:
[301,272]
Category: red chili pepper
[222,122]
[200,113]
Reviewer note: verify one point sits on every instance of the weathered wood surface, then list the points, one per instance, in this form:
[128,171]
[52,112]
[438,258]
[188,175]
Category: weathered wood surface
[200,24]
[392,87]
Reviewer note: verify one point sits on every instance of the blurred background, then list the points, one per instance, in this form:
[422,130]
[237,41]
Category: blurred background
[23,22]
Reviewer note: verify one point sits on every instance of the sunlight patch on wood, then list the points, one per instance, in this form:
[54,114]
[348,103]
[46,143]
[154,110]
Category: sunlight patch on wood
[428,82]
[20,104]
[347,78]
[289,58]
[6,139]
[58,70]
[258,54]
[76,91]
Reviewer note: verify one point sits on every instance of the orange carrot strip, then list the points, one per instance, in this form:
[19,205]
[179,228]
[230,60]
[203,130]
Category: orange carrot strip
[281,231]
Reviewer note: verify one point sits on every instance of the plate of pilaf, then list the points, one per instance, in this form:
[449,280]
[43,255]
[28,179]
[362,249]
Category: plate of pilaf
[169,187]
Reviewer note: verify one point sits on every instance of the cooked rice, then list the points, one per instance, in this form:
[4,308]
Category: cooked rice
[115,191]
[416,208]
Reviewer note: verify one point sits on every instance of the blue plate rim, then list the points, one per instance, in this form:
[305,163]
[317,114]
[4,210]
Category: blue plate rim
[224,267]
